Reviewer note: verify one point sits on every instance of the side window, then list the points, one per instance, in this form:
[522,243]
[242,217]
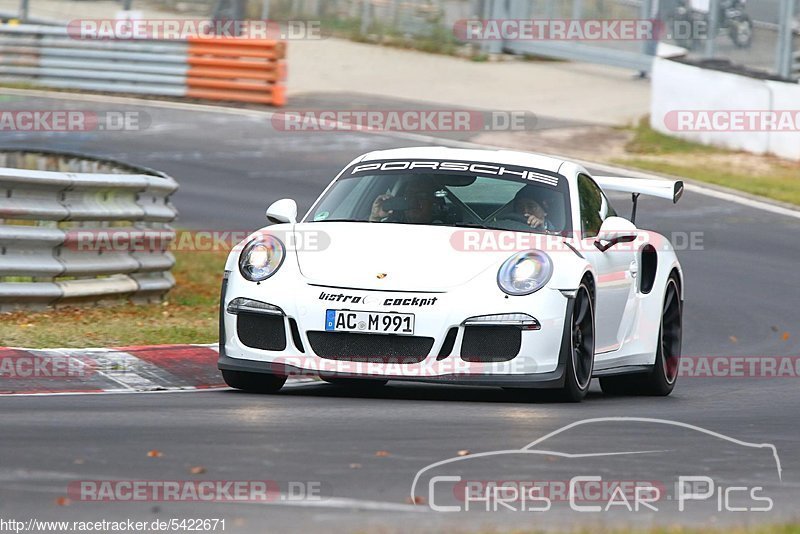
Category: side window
[594,207]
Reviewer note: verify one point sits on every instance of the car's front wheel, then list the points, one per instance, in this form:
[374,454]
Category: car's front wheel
[661,380]
[253,382]
[578,349]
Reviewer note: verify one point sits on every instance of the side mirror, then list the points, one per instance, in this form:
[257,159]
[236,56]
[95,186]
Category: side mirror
[282,211]
[613,231]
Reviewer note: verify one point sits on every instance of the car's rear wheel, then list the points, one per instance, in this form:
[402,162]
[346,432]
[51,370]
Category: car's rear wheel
[578,351]
[253,382]
[661,380]
[360,383]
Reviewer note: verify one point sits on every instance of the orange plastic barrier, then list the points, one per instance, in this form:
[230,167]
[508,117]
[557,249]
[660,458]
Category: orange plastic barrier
[237,70]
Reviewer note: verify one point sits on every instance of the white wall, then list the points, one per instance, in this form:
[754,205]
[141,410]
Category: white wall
[678,87]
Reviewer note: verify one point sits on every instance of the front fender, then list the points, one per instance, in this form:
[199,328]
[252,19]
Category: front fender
[569,269]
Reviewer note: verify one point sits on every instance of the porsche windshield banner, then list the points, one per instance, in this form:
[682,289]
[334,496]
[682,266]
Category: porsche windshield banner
[471,168]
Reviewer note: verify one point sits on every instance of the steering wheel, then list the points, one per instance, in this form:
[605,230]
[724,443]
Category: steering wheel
[516,217]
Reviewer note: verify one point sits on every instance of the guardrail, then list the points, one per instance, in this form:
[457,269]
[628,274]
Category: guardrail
[78,229]
[210,68]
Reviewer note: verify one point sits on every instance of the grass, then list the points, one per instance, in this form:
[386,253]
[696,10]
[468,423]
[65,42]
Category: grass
[648,141]
[766,176]
[782,185]
[188,315]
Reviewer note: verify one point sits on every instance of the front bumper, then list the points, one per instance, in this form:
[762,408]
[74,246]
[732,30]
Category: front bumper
[303,308]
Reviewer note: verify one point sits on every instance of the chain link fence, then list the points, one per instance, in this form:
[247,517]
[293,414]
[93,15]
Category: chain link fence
[758,35]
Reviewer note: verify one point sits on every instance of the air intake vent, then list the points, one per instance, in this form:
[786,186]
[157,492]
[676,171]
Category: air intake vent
[296,339]
[258,331]
[370,347]
[490,343]
[447,346]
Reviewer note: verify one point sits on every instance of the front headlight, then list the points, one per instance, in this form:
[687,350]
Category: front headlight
[525,273]
[261,258]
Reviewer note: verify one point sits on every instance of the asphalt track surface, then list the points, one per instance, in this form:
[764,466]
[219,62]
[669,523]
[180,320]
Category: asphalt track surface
[741,297]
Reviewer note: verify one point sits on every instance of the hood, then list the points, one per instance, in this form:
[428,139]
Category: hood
[412,257]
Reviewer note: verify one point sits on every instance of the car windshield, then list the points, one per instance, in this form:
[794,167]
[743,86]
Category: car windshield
[459,194]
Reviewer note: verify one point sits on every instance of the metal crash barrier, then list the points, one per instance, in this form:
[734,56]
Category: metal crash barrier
[77,229]
[209,68]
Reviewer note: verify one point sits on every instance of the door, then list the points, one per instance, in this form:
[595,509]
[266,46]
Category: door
[615,268]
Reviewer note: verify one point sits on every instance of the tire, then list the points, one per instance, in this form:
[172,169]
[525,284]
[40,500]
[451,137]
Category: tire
[741,31]
[661,380]
[357,383]
[253,382]
[578,351]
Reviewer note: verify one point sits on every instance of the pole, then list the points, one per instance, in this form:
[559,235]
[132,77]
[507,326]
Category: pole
[365,16]
[713,28]
[23,10]
[783,50]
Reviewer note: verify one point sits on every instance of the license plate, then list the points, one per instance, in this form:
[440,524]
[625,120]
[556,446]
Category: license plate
[369,322]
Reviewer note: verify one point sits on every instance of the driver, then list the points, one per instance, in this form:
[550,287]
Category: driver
[419,195]
[528,204]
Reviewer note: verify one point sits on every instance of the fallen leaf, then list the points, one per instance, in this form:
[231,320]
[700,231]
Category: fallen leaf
[415,500]
[197,470]
[355,466]
[786,336]
[154,454]
[463,452]
[382,454]
[775,328]
[63,501]
[734,339]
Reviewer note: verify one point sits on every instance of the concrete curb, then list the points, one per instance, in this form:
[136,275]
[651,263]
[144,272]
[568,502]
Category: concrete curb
[109,370]
[134,369]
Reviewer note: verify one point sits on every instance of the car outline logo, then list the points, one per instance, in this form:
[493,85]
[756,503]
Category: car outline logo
[529,448]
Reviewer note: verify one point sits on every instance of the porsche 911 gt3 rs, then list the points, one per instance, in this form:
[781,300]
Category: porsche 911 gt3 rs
[479,267]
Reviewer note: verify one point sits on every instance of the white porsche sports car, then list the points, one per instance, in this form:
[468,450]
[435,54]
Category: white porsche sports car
[478,267]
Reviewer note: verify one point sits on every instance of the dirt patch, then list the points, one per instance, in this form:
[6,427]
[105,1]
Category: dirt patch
[585,142]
